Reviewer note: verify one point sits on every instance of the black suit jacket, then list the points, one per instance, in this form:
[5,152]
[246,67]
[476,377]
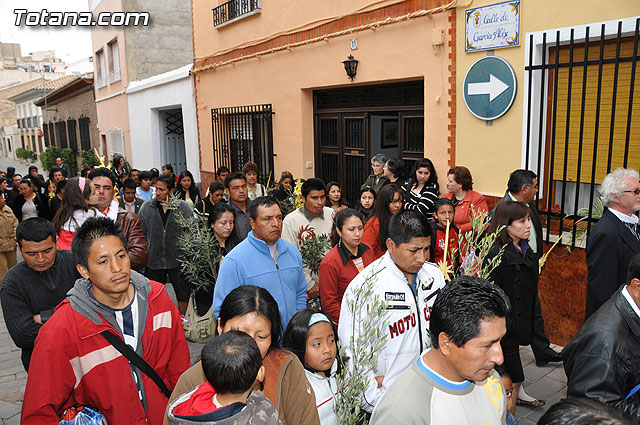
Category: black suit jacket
[137,201]
[610,247]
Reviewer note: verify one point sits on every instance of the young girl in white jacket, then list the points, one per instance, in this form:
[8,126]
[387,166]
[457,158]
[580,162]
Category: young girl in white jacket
[312,337]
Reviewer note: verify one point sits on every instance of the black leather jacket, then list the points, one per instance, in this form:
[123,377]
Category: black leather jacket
[602,361]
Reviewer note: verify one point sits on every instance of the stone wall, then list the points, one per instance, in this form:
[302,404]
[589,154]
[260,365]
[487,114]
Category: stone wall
[165,44]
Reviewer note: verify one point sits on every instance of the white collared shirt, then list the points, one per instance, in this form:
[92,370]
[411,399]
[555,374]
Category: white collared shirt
[632,219]
[630,300]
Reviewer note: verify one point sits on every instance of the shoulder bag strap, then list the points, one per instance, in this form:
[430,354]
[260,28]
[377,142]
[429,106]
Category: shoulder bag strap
[136,360]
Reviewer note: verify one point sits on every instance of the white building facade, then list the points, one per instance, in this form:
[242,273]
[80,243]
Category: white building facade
[163,124]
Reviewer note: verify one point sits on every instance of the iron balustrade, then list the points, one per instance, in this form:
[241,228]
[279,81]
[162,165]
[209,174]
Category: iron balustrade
[570,159]
[233,9]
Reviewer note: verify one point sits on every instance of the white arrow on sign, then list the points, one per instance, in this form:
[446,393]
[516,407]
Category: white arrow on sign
[494,88]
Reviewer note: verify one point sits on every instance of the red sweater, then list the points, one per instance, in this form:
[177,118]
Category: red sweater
[462,218]
[335,276]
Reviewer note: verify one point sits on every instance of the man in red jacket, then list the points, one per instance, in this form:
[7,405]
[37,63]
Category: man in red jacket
[74,365]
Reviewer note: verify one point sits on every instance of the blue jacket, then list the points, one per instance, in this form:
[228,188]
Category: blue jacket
[250,263]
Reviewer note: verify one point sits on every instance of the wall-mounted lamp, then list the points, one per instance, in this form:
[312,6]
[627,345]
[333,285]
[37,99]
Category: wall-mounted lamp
[351,66]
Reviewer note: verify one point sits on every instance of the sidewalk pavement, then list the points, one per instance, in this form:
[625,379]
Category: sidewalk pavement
[547,383]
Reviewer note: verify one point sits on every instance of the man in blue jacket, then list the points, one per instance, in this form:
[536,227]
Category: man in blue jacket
[264,259]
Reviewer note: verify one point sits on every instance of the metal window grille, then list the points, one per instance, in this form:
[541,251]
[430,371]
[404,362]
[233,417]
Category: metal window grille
[582,117]
[233,9]
[52,135]
[45,133]
[242,134]
[62,134]
[85,135]
[71,131]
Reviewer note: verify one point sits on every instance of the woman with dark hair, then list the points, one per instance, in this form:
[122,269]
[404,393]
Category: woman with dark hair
[389,202]
[119,165]
[517,274]
[312,337]
[335,200]
[187,190]
[394,171]
[4,187]
[253,310]
[464,198]
[220,221]
[422,190]
[367,201]
[30,203]
[78,204]
[255,189]
[348,257]
[284,189]
[168,170]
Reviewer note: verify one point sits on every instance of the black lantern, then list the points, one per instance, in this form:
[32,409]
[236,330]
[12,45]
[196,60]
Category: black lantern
[351,66]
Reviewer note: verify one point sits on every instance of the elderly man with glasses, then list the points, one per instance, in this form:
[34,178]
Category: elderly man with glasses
[615,239]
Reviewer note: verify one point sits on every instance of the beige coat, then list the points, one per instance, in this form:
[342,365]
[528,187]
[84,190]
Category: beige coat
[8,225]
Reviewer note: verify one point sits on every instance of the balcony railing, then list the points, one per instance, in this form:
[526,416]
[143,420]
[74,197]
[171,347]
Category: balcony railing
[234,10]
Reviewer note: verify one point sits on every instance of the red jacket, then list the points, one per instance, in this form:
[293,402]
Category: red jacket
[335,276]
[370,237]
[452,247]
[72,364]
[462,218]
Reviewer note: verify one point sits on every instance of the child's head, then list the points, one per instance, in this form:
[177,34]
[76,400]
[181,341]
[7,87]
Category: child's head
[232,363]
[311,336]
[505,377]
[444,211]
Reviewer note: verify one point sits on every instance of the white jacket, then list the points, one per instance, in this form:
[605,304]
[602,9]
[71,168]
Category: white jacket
[407,319]
[325,390]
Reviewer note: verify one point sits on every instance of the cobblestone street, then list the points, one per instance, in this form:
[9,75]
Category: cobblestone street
[12,378]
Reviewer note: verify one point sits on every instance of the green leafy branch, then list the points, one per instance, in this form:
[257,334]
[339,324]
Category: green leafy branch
[475,246]
[313,251]
[201,255]
[368,311]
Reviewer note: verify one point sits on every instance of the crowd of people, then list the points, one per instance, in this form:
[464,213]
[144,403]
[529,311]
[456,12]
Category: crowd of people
[100,336]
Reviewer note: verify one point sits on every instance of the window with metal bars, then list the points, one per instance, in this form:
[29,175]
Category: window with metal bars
[582,112]
[85,136]
[52,135]
[62,134]
[45,133]
[242,134]
[71,131]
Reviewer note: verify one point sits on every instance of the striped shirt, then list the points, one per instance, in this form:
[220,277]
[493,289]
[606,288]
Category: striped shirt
[423,202]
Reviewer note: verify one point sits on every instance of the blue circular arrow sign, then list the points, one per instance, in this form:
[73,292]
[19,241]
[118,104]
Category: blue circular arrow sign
[489,87]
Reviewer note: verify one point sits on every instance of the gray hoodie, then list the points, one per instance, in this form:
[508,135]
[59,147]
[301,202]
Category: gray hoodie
[92,309]
[258,411]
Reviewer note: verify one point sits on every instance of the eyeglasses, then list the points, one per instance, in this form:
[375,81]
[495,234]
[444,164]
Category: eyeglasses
[634,191]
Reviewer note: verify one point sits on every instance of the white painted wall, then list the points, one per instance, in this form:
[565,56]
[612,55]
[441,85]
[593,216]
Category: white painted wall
[145,98]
